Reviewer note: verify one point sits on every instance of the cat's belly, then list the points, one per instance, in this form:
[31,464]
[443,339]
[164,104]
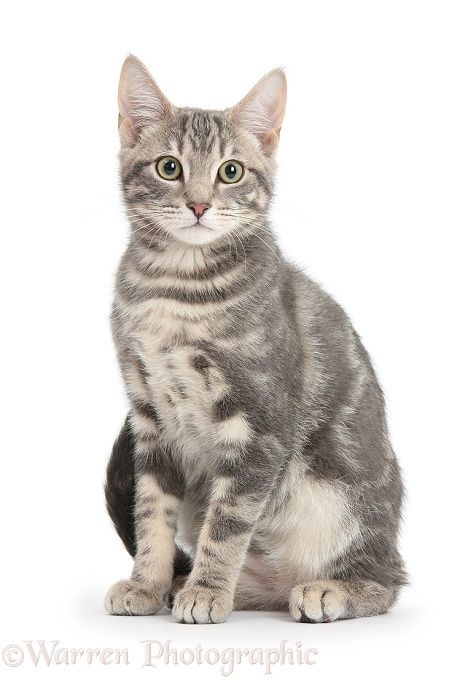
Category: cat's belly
[296,544]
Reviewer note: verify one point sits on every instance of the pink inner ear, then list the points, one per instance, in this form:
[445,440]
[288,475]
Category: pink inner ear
[269,140]
[126,131]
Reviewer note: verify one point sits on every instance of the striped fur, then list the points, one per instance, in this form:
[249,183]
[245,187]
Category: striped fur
[256,437]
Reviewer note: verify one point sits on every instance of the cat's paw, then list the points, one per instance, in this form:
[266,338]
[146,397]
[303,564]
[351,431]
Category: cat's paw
[201,605]
[322,601]
[129,597]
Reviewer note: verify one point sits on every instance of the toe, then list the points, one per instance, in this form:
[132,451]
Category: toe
[201,610]
[334,605]
[219,610]
[312,604]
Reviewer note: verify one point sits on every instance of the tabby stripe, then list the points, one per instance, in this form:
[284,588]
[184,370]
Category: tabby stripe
[208,583]
[222,265]
[168,477]
[138,294]
[224,408]
[145,409]
[135,171]
[135,279]
[261,178]
[224,526]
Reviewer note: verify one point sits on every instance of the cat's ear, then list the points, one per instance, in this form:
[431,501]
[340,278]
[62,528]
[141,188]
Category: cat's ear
[141,102]
[262,110]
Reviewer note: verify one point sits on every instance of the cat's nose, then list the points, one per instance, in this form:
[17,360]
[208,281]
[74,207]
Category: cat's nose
[198,209]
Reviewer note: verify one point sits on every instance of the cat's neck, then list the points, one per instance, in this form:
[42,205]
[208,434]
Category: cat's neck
[185,260]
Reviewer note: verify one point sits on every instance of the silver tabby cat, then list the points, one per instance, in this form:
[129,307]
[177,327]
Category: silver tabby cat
[254,469]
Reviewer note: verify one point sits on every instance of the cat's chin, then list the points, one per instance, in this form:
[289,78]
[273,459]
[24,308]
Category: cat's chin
[196,235]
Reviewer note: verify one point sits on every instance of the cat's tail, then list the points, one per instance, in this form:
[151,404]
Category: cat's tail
[120,494]
[120,487]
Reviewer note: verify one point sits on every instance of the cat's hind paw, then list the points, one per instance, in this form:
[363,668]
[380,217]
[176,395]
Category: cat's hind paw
[322,601]
[128,597]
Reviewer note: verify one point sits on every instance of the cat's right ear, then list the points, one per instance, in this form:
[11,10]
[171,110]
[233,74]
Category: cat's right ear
[141,102]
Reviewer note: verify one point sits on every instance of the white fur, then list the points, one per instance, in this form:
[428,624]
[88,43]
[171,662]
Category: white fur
[315,527]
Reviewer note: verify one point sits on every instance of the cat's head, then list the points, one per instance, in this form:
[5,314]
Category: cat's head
[192,175]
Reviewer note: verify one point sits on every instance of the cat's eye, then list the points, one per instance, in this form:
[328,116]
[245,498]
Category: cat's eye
[230,172]
[169,168]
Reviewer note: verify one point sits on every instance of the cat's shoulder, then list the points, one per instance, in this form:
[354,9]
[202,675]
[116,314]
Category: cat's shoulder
[310,295]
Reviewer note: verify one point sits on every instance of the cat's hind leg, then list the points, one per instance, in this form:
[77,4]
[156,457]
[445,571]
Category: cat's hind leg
[328,600]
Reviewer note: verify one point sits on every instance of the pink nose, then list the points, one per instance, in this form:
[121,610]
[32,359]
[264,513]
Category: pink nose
[198,208]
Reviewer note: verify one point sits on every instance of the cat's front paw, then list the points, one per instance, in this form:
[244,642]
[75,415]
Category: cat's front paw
[201,605]
[129,597]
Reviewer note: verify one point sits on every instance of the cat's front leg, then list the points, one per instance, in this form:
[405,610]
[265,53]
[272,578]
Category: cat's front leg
[239,495]
[158,492]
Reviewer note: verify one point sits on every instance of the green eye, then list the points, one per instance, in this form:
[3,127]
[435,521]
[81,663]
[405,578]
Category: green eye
[230,172]
[169,168]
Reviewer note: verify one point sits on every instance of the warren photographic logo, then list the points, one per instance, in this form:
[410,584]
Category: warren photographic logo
[152,654]
[47,653]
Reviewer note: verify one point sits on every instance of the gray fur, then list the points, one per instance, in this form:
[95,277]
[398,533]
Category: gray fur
[255,411]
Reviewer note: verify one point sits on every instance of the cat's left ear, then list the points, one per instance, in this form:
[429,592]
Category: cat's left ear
[262,110]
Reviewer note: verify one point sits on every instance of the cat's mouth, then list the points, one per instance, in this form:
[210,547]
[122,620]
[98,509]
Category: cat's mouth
[196,233]
[197,225]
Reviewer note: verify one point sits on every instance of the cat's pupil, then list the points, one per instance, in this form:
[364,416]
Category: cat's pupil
[169,167]
[230,171]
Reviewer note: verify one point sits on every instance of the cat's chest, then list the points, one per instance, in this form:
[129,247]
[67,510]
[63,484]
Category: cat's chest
[186,385]
[178,388]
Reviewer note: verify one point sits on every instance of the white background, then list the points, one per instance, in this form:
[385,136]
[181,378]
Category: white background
[363,203]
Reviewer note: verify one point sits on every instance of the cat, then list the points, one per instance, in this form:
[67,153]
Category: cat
[254,469]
